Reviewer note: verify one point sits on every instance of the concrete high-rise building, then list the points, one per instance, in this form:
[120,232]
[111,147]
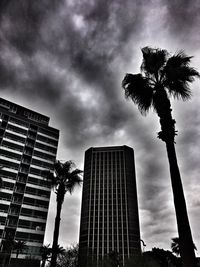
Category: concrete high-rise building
[28,145]
[109,215]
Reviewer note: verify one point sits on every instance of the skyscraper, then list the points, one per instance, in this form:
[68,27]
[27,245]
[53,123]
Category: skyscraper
[109,215]
[27,147]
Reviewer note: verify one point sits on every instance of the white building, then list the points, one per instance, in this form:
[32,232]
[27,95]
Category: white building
[27,147]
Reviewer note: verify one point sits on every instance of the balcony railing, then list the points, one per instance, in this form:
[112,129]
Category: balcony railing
[22,170]
[29,240]
[19,190]
[12,225]
[31,136]
[32,215]
[27,153]
[29,144]
[21,180]
[37,228]
[26,161]
[35,205]
[17,201]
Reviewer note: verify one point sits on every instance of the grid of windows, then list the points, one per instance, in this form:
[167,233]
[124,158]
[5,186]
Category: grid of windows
[27,146]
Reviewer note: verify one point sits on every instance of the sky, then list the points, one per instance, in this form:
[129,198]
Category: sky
[67,59]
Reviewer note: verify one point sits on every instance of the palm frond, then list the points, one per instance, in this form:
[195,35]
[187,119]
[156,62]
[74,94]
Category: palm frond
[45,252]
[68,165]
[178,75]
[153,60]
[62,168]
[138,89]
[179,89]
[74,180]
[58,167]
[50,177]
[60,250]
[179,59]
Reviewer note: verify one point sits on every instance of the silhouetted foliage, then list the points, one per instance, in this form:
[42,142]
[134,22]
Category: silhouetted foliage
[19,246]
[69,257]
[175,246]
[155,258]
[45,253]
[163,76]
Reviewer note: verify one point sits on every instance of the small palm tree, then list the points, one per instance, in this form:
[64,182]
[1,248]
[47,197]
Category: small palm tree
[175,246]
[45,252]
[64,179]
[19,246]
[163,76]
[60,250]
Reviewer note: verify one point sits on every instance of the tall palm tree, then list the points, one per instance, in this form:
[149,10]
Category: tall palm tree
[19,246]
[163,76]
[64,179]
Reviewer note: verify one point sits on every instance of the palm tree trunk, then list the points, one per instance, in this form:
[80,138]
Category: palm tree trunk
[167,134]
[185,236]
[56,234]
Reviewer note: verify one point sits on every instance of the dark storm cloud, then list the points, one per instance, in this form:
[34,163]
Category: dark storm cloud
[21,21]
[183,19]
[82,38]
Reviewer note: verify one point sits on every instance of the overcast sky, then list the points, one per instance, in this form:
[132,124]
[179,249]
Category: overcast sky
[67,58]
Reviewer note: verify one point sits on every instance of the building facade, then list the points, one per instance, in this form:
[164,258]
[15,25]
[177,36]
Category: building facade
[109,214]
[28,145]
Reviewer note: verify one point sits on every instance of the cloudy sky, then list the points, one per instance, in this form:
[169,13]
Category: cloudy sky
[67,58]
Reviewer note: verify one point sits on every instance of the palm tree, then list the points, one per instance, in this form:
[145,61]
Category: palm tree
[163,76]
[19,246]
[175,246]
[64,179]
[45,252]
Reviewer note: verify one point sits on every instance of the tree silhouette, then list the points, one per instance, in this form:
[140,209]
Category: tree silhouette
[45,253]
[175,246]
[19,246]
[163,76]
[64,179]
[69,257]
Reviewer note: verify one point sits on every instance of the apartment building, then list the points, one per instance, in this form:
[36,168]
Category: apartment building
[109,214]
[28,145]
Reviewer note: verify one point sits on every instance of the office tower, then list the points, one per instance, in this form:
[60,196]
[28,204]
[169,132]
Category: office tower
[109,215]
[27,147]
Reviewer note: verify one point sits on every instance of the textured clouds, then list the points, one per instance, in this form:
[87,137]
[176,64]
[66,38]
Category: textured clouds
[68,60]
